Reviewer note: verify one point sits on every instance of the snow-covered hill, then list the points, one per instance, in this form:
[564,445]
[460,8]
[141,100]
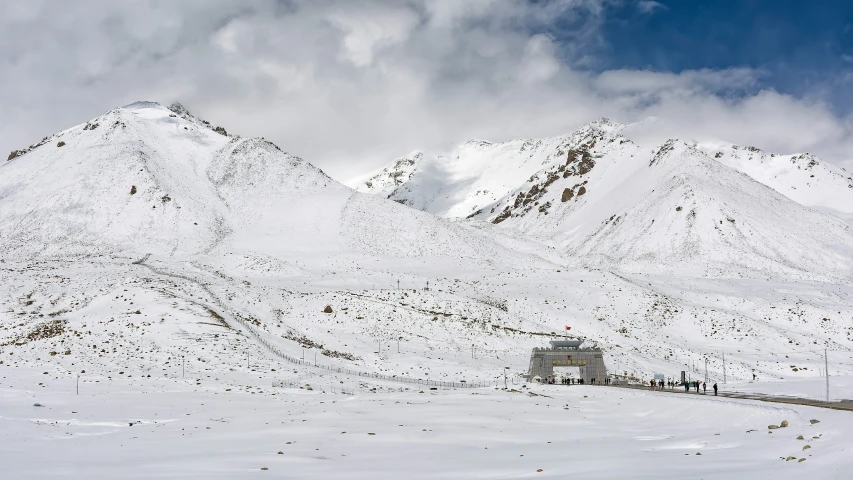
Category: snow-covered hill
[802,177]
[675,209]
[149,179]
[611,203]
[478,172]
[474,175]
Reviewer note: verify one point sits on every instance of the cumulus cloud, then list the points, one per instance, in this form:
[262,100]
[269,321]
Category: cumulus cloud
[352,84]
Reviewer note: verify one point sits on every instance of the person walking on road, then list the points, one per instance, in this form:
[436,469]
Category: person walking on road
[704,388]
[686,387]
[697,387]
[715,389]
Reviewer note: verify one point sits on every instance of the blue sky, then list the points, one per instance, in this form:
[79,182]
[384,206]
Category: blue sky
[802,47]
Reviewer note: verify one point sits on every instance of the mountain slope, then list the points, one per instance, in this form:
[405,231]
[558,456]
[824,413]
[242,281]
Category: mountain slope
[673,209]
[597,196]
[475,174]
[479,172]
[803,177]
[149,179]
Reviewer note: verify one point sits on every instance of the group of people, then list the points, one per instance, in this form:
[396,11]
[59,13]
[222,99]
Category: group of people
[687,386]
[653,384]
[575,381]
[568,381]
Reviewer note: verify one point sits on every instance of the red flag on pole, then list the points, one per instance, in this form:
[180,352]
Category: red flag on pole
[568,328]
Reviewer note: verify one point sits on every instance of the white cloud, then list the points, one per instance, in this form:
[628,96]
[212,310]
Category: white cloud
[352,85]
[368,28]
[649,6]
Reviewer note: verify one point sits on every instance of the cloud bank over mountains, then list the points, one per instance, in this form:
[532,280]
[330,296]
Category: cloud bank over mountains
[350,85]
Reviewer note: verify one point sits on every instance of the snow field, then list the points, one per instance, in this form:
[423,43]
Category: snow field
[597,431]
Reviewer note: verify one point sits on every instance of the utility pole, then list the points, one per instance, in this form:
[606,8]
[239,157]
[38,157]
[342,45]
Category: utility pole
[398,284]
[78,384]
[315,358]
[398,344]
[472,350]
[183,370]
[724,368]
[505,369]
[826,367]
[247,359]
[706,369]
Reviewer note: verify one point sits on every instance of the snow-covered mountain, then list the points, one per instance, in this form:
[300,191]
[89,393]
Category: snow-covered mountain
[150,179]
[802,177]
[603,199]
[474,175]
[389,178]
[478,172]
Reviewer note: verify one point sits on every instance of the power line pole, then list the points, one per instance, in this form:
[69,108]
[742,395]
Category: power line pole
[826,367]
[724,368]
[706,369]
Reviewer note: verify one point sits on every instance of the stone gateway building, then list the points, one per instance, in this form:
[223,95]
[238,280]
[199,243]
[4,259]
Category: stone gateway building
[569,360]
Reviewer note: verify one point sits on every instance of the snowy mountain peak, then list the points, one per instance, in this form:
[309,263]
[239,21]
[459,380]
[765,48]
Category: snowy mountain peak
[179,109]
[604,126]
[392,176]
[478,173]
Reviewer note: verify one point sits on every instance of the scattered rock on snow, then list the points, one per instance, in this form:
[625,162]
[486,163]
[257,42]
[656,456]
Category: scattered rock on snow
[813,421]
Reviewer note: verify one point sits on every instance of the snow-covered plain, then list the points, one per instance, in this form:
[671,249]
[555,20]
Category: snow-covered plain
[169,265]
[167,428]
